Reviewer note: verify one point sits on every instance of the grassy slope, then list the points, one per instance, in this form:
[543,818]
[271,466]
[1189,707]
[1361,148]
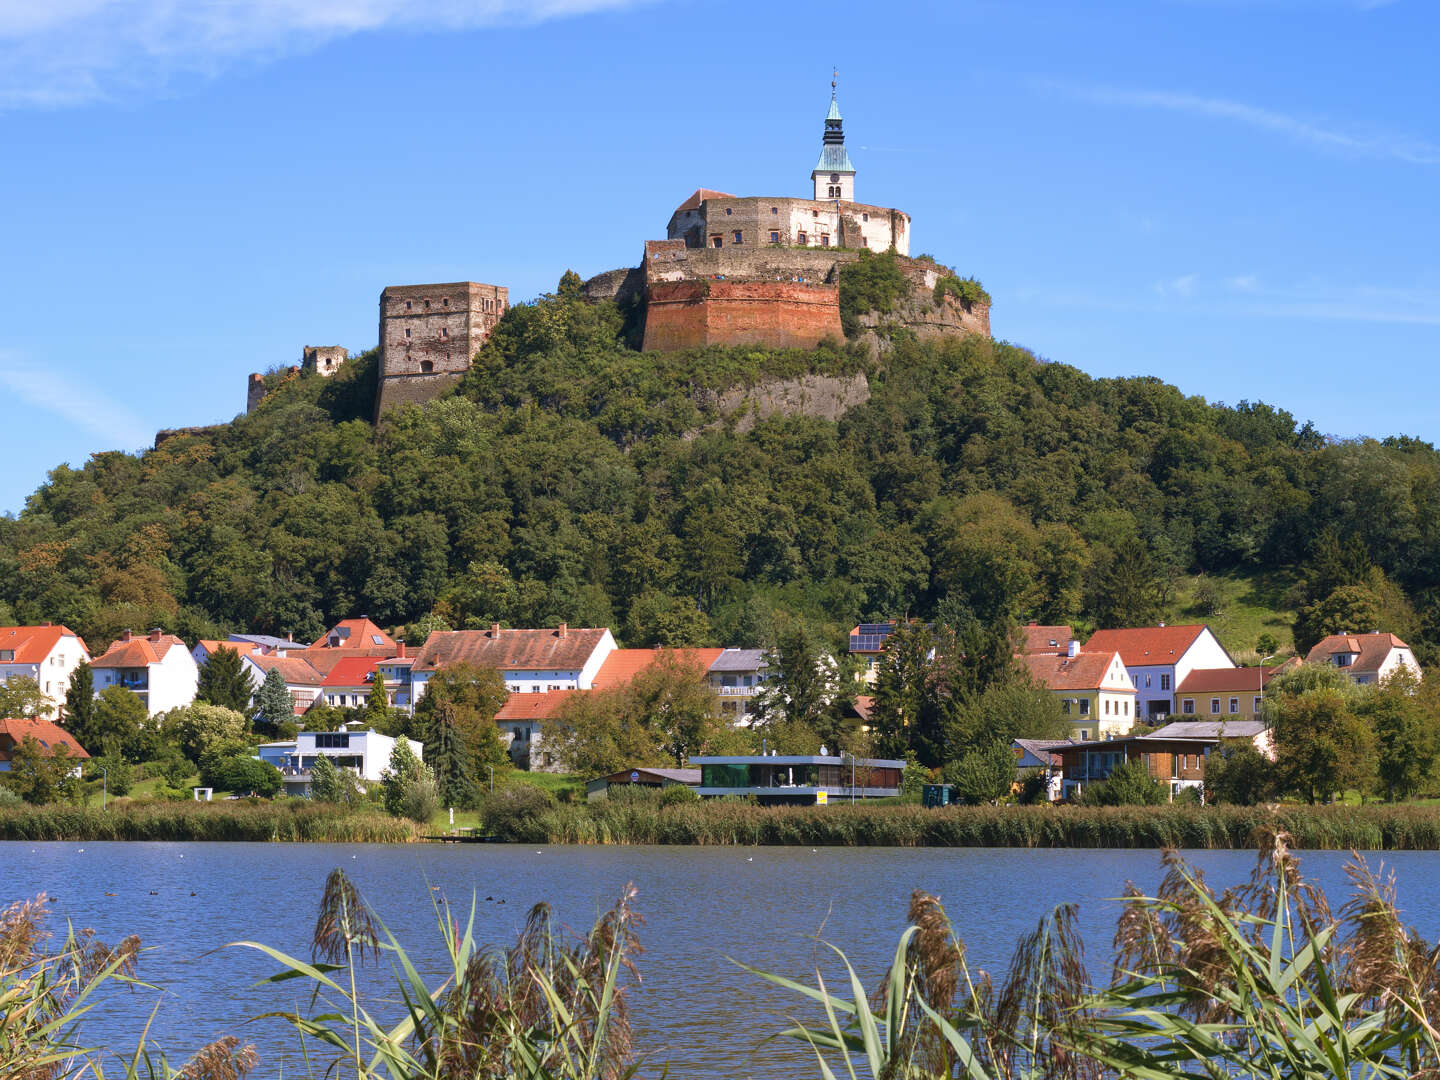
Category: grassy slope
[1249,604]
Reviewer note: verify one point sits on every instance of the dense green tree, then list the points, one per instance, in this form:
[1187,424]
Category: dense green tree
[1129,784]
[21,698]
[194,728]
[449,758]
[376,713]
[1405,734]
[332,783]
[407,786]
[899,692]
[1323,747]
[804,687]
[274,704]
[80,706]
[1238,774]
[474,695]
[42,774]
[122,725]
[224,681]
[985,775]
[244,775]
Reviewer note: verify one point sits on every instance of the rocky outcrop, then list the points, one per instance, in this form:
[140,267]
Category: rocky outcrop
[828,397]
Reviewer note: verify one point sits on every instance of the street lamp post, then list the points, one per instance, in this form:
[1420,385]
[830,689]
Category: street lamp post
[492,778]
[104,787]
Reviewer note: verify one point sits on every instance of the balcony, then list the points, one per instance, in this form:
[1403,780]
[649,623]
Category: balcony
[736,691]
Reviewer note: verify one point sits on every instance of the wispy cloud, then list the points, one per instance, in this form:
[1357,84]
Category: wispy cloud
[60,396]
[1319,134]
[55,53]
[1183,286]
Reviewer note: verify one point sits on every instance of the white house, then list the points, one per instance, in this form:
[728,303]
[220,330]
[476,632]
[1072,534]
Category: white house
[48,654]
[530,661]
[1159,658]
[1366,658]
[737,676]
[158,667]
[364,753]
[303,678]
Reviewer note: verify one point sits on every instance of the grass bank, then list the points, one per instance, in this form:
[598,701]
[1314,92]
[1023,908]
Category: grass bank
[294,820]
[1321,827]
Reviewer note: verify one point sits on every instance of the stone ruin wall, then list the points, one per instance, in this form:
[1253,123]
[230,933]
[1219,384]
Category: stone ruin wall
[429,335]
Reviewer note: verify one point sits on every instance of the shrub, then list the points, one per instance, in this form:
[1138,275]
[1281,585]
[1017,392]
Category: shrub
[420,800]
[512,812]
[1130,784]
[117,778]
[678,795]
[248,775]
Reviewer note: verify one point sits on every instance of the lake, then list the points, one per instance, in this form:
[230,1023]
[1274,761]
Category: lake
[696,1010]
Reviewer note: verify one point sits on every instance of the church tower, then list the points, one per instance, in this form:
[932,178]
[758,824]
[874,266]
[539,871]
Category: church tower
[834,176]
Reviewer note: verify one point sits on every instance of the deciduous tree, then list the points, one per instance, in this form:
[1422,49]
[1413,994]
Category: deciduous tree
[224,681]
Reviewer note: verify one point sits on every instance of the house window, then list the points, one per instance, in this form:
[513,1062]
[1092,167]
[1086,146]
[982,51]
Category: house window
[1188,706]
[737,234]
[444,333]
[864,217]
[1164,682]
[824,239]
[717,241]
[1214,706]
[1234,705]
[1258,700]
[1084,706]
[1175,766]
[803,239]
[774,238]
[814,213]
[1147,680]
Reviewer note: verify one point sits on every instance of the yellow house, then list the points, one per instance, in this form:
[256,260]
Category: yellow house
[1223,693]
[1094,689]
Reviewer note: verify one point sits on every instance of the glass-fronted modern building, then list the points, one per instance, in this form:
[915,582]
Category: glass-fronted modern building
[799,778]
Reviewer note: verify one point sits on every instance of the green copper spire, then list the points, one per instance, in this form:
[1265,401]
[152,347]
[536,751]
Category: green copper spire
[833,156]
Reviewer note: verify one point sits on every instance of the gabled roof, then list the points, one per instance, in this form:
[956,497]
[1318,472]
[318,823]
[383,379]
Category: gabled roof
[244,648]
[1084,672]
[1045,639]
[1042,749]
[33,644]
[1209,729]
[1369,650]
[268,641]
[535,706]
[295,670]
[511,650]
[352,671]
[1146,645]
[138,652]
[739,660]
[701,194]
[1226,680]
[622,665]
[46,732]
[354,634]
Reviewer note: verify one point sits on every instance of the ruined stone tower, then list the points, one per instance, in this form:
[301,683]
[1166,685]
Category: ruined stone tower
[428,336]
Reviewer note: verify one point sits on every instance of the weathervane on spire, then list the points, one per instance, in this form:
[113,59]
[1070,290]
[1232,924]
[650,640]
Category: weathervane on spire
[834,75]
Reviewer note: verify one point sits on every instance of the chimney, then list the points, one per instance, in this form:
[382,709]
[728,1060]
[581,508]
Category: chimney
[1072,650]
[561,631]
[400,644]
[495,629]
[156,634]
[125,634]
[290,636]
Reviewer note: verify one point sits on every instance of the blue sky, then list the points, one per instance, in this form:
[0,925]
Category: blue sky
[1237,196]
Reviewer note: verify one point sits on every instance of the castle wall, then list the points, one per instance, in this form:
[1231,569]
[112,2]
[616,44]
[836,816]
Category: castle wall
[772,314]
[791,223]
[254,391]
[429,334]
[324,360]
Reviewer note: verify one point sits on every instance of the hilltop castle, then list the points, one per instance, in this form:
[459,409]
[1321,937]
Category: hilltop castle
[731,271]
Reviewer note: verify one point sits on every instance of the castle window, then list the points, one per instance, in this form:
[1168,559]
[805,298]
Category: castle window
[444,332]
[407,333]
[825,240]
[427,366]
[774,238]
[803,239]
[864,217]
[407,305]
[727,211]
[445,302]
[737,235]
[717,241]
[774,209]
[814,213]
[427,305]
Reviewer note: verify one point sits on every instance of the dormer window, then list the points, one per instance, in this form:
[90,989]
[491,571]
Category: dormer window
[1345,659]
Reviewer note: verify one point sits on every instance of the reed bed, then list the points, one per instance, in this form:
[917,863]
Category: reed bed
[281,821]
[1342,828]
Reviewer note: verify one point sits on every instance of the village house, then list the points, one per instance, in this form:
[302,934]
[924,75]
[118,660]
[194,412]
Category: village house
[46,733]
[395,673]
[1044,755]
[302,678]
[356,635]
[1365,658]
[1036,640]
[206,648]
[1230,692]
[1158,658]
[1094,689]
[867,643]
[364,753]
[520,720]
[530,661]
[348,684]
[1174,755]
[737,676]
[644,777]
[48,654]
[157,667]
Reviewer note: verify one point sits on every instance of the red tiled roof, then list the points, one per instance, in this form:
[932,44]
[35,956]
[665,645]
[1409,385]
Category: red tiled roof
[701,194]
[1045,639]
[1224,680]
[32,644]
[535,706]
[510,650]
[622,665]
[1370,649]
[352,671]
[356,634]
[1146,645]
[46,732]
[138,652]
[244,648]
[1084,672]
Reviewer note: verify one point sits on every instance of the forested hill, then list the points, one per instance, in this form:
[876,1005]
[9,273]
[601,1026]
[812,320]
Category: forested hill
[574,478]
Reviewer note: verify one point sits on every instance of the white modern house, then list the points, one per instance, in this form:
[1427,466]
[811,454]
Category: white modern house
[47,654]
[157,666]
[1158,659]
[364,753]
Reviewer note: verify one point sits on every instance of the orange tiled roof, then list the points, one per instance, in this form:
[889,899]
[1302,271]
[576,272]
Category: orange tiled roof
[244,648]
[510,650]
[1084,672]
[138,652]
[701,194]
[1370,649]
[1225,680]
[32,644]
[352,671]
[1045,639]
[355,634]
[46,732]
[295,670]
[535,706]
[622,665]
[1146,645]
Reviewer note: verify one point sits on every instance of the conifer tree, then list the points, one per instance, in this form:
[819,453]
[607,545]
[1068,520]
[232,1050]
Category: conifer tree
[276,706]
[377,707]
[223,681]
[447,756]
[80,706]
